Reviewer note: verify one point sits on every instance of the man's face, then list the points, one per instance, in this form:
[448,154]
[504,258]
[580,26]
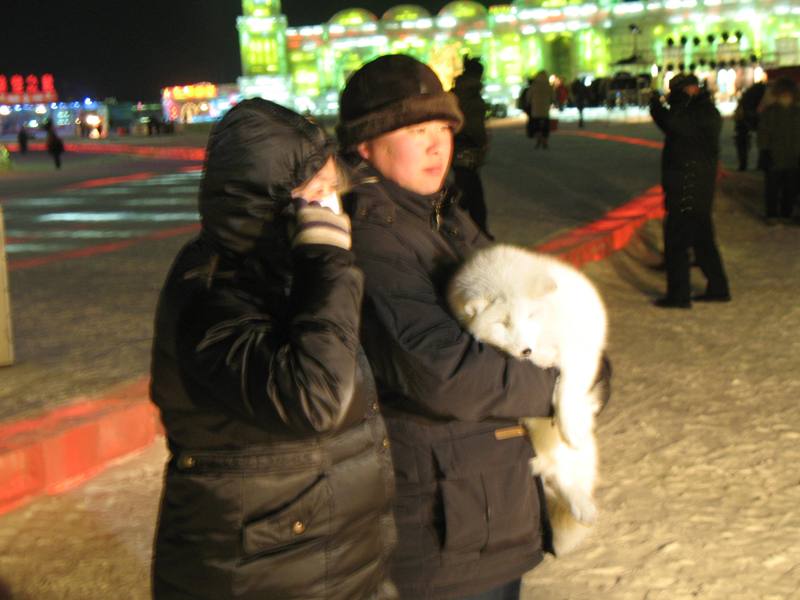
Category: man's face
[691,89]
[416,157]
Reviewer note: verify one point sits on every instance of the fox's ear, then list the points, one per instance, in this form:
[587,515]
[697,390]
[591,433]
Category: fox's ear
[475,306]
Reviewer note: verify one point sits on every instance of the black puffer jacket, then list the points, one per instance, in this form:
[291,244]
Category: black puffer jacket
[692,127]
[279,484]
[467,508]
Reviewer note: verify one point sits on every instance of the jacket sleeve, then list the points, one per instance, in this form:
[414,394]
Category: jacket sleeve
[423,353]
[670,121]
[298,374]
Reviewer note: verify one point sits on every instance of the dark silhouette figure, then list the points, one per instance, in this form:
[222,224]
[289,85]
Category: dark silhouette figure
[22,140]
[580,96]
[524,105]
[470,144]
[779,147]
[689,163]
[54,144]
[745,121]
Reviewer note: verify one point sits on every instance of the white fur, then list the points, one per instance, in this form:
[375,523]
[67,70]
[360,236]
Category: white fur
[538,308]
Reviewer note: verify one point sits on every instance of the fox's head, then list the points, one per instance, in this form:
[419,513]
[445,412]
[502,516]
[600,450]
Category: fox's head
[512,323]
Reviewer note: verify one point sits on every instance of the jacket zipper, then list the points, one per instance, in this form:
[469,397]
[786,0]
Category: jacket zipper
[436,217]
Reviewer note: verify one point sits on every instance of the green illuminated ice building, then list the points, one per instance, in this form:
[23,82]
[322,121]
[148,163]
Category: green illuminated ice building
[726,42]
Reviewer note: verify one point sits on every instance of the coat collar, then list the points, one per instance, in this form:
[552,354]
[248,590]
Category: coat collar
[430,207]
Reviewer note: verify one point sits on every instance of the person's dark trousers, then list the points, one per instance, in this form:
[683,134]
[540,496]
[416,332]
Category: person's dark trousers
[542,126]
[695,230]
[508,591]
[530,127]
[742,141]
[780,191]
[472,199]
[57,160]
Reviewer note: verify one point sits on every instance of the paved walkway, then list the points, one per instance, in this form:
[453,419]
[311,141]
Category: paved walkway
[683,441]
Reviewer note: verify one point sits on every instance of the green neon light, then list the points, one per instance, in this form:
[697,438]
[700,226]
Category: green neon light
[463,9]
[405,12]
[261,8]
[350,17]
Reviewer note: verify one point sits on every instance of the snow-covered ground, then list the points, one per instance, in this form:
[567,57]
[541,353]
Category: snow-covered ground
[700,445]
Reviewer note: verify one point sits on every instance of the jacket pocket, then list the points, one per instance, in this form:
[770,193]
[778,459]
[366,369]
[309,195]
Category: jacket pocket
[305,518]
[489,497]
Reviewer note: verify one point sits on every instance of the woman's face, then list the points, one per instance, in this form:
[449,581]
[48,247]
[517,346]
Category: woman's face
[320,186]
[416,157]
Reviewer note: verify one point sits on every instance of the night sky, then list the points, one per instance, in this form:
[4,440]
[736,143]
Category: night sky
[130,49]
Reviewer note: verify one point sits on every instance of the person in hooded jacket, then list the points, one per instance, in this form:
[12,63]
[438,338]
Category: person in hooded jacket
[467,508]
[689,162]
[540,98]
[279,481]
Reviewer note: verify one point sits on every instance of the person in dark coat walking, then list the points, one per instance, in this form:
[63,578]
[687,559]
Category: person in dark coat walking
[689,164]
[467,508]
[745,121]
[279,482]
[22,139]
[580,96]
[54,144]
[779,148]
[471,143]
[524,105]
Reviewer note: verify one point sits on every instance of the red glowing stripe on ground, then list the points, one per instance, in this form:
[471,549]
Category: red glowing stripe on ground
[624,139]
[62,448]
[611,233]
[93,183]
[38,261]
[171,153]
[33,146]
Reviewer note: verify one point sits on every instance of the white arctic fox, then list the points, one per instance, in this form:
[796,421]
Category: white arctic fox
[538,308]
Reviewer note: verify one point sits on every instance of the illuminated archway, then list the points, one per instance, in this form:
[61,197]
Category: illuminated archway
[189,111]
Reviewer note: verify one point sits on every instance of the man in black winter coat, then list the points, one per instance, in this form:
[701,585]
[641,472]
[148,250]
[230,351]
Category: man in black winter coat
[471,143]
[691,124]
[467,508]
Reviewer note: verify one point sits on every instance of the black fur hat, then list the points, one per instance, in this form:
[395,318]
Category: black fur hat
[391,92]
[681,81]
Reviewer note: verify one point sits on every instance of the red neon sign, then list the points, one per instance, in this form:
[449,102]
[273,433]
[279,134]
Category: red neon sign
[48,85]
[17,89]
[31,84]
[17,84]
